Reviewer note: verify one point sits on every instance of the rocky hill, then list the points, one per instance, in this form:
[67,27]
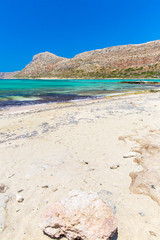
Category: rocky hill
[127,61]
[43,64]
[8,75]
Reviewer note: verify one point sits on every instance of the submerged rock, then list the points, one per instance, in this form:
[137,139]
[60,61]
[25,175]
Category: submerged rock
[80,216]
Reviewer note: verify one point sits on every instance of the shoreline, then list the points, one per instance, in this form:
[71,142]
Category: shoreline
[21,100]
[56,78]
[58,105]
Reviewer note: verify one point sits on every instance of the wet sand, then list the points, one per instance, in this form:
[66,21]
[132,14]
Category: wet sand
[47,150]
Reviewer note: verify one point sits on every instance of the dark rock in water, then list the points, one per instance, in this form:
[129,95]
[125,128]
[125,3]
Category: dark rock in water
[133,82]
[141,82]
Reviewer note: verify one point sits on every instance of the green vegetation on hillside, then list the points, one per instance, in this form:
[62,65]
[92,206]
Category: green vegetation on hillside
[101,73]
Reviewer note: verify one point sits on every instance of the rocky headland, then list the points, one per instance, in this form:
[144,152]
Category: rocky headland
[126,61]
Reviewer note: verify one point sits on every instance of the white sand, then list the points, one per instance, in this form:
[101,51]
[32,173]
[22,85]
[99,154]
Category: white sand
[51,144]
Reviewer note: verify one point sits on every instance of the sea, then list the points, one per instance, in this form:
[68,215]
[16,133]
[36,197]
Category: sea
[16,92]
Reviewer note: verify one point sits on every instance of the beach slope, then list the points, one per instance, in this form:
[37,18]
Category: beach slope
[103,145]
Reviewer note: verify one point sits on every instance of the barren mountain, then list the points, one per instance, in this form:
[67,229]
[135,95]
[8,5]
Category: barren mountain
[127,61]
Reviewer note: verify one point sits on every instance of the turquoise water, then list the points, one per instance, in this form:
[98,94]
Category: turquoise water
[20,92]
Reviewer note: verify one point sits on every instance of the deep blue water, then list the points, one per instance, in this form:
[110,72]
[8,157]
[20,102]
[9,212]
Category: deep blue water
[20,92]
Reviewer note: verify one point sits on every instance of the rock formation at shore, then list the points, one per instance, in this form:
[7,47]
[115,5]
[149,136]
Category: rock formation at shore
[127,61]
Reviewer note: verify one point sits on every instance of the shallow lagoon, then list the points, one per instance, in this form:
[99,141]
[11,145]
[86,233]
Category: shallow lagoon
[24,92]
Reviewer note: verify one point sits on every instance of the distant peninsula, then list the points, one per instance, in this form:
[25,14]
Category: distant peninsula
[126,61]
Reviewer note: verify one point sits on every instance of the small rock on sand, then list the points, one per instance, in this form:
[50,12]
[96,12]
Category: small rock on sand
[152,233]
[142,214]
[19,198]
[130,155]
[3,188]
[114,166]
[45,186]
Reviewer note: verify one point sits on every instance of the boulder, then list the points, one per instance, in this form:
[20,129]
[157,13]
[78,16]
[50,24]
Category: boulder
[80,216]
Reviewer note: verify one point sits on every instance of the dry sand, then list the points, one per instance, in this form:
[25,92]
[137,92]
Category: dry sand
[48,150]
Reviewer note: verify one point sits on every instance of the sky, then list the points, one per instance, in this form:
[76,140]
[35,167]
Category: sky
[69,27]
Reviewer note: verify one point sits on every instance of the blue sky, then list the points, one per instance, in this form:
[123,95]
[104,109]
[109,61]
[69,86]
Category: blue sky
[69,27]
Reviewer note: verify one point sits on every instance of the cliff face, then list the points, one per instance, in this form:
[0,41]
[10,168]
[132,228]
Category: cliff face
[128,61]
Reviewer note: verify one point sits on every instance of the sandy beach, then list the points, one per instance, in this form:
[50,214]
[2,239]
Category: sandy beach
[50,149]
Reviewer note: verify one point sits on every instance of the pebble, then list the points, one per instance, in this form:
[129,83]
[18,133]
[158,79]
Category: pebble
[130,154]
[55,189]
[142,214]
[21,190]
[11,175]
[121,138]
[85,162]
[152,233]
[45,186]
[91,169]
[19,198]
[114,166]
[3,188]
